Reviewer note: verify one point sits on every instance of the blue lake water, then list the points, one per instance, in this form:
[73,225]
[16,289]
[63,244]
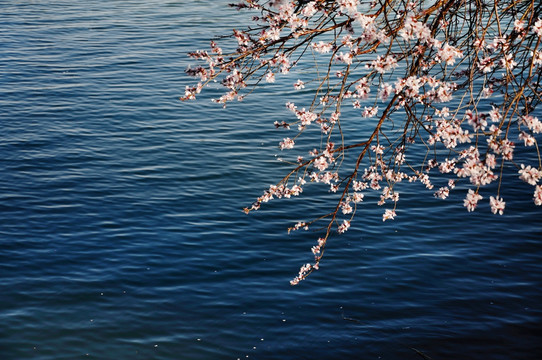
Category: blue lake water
[122,234]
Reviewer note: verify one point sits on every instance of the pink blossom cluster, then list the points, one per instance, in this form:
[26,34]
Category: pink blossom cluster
[279,192]
[303,272]
[397,63]
[471,201]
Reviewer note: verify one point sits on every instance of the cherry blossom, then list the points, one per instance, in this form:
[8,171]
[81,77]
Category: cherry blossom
[430,102]
[343,227]
[299,85]
[383,64]
[537,28]
[537,197]
[270,77]
[322,47]
[442,193]
[471,201]
[389,215]
[532,123]
[497,205]
[370,111]
[449,54]
[486,64]
[529,174]
[287,143]
[527,138]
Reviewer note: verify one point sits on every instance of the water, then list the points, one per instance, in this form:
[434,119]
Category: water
[122,235]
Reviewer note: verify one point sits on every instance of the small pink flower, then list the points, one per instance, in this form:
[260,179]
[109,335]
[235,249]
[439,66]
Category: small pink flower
[369,111]
[385,91]
[508,62]
[537,28]
[310,9]
[306,117]
[299,85]
[497,205]
[287,143]
[349,6]
[532,123]
[321,47]
[359,185]
[346,208]
[527,138]
[442,193]
[529,174]
[344,58]
[486,65]
[270,77]
[343,227]
[479,44]
[357,197]
[448,54]
[471,201]
[383,64]
[487,92]
[389,215]
[495,115]
[537,197]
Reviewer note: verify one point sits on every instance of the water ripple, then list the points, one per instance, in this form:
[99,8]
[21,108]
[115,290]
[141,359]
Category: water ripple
[121,226]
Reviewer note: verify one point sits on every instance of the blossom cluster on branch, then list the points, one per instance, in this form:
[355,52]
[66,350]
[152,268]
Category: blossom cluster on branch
[448,88]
